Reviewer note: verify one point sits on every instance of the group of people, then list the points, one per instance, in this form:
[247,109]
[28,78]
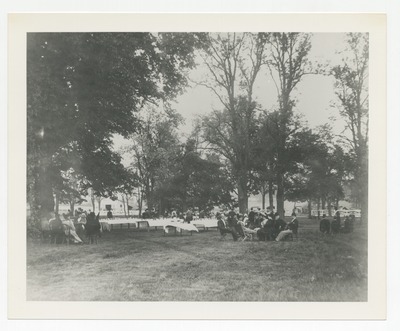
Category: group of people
[335,226]
[266,225]
[187,216]
[75,228]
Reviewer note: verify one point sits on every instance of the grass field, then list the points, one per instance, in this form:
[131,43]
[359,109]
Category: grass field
[146,266]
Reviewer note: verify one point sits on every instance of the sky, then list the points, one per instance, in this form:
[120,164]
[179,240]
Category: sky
[314,94]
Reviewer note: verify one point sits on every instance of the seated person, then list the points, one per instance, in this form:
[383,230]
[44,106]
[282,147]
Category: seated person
[69,229]
[280,225]
[224,227]
[245,230]
[324,225]
[258,219]
[109,214]
[237,225]
[294,225]
[284,234]
[348,225]
[263,232]
[335,226]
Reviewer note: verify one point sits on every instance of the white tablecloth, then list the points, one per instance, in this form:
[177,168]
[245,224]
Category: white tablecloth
[164,222]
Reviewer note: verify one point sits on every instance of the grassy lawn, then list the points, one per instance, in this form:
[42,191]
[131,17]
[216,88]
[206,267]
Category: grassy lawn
[146,266]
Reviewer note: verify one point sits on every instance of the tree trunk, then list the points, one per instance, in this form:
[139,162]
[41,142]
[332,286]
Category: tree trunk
[280,200]
[123,203]
[242,195]
[271,194]
[329,207]
[99,203]
[44,198]
[93,202]
[263,193]
[57,203]
[309,209]
[323,202]
[140,201]
[127,204]
[363,185]
[318,207]
[72,207]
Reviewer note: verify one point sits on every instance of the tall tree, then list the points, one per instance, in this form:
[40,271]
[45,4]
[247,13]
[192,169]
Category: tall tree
[351,86]
[287,64]
[84,87]
[200,181]
[155,148]
[233,61]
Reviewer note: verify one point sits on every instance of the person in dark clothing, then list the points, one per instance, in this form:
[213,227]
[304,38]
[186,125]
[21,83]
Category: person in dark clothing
[352,222]
[294,225]
[279,225]
[189,216]
[237,226]
[145,214]
[337,217]
[264,228]
[224,228]
[109,214]
[251,218]
[258,219]
[92,226]
[324,225]
[348,225]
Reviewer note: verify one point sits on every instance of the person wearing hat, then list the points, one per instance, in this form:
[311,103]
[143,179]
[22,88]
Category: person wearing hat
[224,228]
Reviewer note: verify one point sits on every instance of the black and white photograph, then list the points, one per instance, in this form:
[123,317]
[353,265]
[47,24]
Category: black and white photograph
[201,166]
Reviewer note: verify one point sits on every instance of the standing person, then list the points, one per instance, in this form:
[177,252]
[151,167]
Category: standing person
[251,218]
[324,225]
[337,216]
[109,214]
[189,216]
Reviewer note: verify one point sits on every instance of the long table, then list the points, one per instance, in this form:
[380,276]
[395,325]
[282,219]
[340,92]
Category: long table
[163,222]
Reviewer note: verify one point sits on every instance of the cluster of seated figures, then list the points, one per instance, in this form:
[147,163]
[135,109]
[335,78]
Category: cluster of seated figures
[266,226]
[64,228]
[336,225]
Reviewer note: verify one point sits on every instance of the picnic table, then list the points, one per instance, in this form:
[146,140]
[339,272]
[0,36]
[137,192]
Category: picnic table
[162,222]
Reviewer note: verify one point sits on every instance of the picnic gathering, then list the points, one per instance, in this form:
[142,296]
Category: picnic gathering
[197,165]
[262,225]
